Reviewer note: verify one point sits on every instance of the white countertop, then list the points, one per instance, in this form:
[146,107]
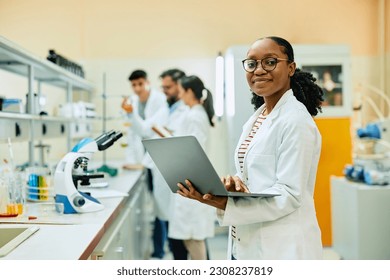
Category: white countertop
[80,233]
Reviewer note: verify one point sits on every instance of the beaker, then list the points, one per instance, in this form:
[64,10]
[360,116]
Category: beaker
[16,193]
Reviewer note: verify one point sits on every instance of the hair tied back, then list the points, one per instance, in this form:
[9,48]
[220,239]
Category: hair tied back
[204,95]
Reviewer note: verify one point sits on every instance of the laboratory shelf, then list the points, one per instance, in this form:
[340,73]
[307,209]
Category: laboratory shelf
[5,115]
[15,59]
[19,116]
[32,127]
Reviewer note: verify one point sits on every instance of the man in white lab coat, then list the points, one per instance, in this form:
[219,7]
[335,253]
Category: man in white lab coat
[145,103]
[143,107]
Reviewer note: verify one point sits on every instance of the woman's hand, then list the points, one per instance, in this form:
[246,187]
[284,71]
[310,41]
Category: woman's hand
[209,199]
[234,184]
[126,105]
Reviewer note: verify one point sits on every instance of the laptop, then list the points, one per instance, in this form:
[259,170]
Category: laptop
[182,157]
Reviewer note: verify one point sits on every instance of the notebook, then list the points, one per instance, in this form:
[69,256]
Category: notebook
[182,157]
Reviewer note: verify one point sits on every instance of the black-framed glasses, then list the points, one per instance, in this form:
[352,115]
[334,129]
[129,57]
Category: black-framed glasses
[267,63]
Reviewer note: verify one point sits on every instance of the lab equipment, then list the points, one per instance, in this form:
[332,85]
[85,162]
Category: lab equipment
[65,63]
[373,167]
[39,185]
[12,105]
[371,158]
[73,168]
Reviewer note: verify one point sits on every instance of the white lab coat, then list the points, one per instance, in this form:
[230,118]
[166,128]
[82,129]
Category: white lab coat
[283,156]
[155,112]
[189,218]
[162,194]
[172,119]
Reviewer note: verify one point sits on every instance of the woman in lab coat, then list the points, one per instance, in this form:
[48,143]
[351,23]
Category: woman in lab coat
[190,220]
[278,151]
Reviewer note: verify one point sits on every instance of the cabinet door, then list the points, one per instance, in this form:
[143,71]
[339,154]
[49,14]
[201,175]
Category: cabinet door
[143,229]
[135,229]
[49,129]
[129,235]
[136,238]
[80,129]
[114,244]
[17,130]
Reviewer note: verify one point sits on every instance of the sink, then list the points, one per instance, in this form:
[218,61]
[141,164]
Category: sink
[12,237]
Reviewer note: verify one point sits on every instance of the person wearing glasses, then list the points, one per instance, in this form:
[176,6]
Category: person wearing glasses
[279,150]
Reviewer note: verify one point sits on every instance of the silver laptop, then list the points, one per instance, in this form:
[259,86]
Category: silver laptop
[182,157]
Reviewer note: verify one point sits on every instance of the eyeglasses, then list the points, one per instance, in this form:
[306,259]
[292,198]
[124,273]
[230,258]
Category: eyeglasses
[267,63]
[167,87]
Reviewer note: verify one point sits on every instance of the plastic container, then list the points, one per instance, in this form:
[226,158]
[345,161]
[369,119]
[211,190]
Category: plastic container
[39,184]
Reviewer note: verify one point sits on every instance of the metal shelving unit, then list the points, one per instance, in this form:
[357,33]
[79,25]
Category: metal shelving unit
[32,127]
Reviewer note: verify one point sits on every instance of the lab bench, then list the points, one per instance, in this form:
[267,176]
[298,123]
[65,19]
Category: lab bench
[360,220]
[119,231]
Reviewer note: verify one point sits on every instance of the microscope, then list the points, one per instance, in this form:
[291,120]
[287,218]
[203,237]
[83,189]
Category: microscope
[73,168]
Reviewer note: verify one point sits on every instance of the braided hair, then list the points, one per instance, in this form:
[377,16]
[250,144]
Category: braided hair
[302,83]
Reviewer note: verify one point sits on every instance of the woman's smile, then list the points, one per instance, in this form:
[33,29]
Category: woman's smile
[260,80]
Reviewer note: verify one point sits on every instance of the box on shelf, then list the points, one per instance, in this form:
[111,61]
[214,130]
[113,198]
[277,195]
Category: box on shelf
[11,105]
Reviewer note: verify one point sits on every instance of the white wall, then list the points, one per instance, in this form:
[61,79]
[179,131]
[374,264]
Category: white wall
[117,37]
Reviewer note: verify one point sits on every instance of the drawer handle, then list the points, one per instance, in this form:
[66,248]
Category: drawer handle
[44,129]
[17,130]
[97,255]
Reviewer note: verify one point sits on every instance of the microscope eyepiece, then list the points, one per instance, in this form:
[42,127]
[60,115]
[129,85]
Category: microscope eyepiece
[107,139]
[118,135]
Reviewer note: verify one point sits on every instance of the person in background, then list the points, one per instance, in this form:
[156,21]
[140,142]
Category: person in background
[169,116]
[146,102]
[192,222]
[279,150]
[144,108]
